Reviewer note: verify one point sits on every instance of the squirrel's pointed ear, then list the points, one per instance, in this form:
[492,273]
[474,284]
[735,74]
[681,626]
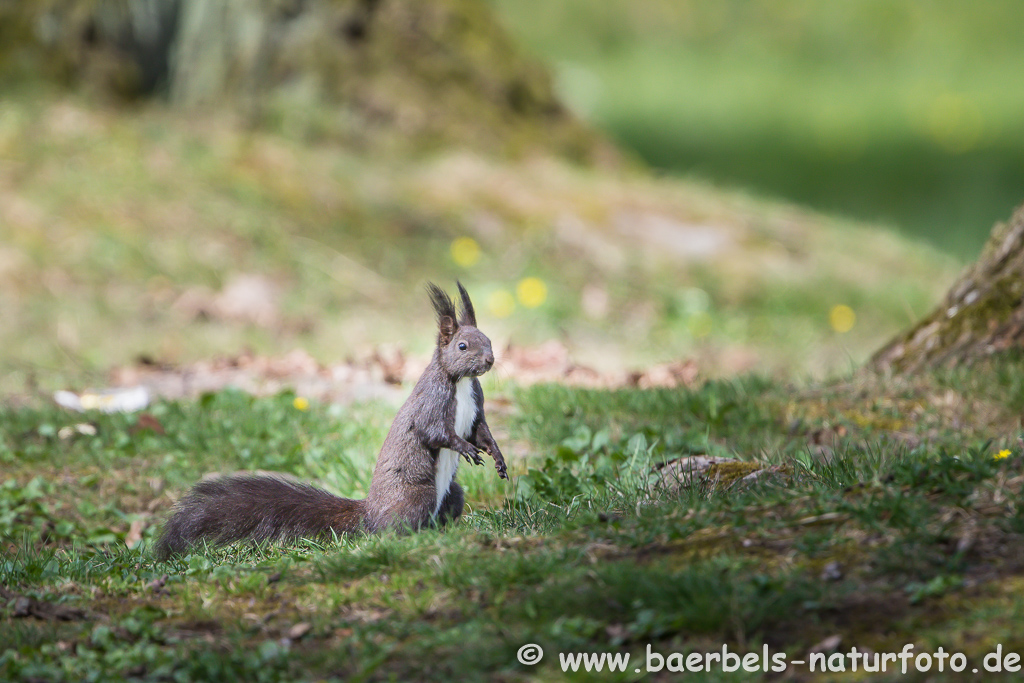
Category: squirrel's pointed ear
[468,315]
[445,310]
[446,327]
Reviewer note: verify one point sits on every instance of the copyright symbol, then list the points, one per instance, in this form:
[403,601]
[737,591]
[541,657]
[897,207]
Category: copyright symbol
[530,654]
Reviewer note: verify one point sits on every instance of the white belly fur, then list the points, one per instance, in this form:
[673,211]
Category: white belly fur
[447,459]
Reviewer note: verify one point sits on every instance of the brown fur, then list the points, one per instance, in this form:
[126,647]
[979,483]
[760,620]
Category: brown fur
[402,491]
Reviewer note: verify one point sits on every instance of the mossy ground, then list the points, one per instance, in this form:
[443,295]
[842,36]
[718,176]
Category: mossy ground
[894,520]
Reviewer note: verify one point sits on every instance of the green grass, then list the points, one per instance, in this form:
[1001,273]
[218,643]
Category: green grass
[887,112]
[894,484]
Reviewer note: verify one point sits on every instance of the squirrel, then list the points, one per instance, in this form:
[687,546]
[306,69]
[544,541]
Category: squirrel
[413,483]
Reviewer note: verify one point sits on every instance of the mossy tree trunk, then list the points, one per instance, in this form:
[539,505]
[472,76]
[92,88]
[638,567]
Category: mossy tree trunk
[369,72]
[116,46]
[982,314]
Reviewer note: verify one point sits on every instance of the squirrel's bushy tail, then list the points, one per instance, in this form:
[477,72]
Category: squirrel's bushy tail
[256,508]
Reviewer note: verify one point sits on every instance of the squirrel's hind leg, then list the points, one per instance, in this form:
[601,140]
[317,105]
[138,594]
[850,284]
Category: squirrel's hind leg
[413,510]
[416,509]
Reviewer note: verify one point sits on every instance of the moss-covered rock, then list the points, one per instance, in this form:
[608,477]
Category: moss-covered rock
[705,470]
[371,72]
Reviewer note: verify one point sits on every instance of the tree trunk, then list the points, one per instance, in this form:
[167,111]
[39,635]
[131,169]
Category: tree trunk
[982,314]
[372,73]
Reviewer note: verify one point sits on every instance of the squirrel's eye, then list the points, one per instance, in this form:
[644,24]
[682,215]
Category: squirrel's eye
[462,346]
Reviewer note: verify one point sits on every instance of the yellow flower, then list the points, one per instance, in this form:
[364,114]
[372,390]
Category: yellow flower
[531,292]
[465,251]
[501,303]
[1002,455]
[842,318]
[300,403]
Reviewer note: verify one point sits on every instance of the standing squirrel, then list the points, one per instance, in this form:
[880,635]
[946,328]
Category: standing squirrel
[413,484]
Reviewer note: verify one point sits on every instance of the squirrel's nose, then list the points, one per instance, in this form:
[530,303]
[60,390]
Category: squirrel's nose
[489,359]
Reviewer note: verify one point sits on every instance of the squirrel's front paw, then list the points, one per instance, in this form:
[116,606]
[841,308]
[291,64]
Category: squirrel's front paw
[473,456]
[499,461]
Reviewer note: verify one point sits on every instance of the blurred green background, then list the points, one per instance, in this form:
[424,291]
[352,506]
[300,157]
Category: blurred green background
[814,163]
[904,113]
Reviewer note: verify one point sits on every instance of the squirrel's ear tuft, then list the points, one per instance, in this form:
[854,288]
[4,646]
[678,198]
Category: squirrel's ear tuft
[468,315]
[445,310]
